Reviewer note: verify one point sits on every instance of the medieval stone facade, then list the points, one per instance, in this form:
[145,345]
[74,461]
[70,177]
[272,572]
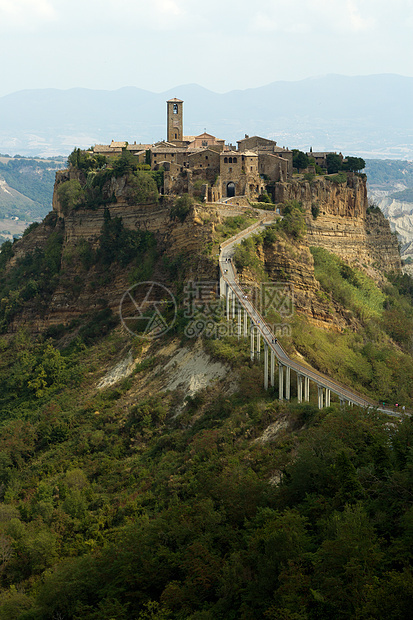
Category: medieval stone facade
[222,170]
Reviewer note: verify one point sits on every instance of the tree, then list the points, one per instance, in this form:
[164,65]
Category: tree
[354,164]
[333,162]
[300,160]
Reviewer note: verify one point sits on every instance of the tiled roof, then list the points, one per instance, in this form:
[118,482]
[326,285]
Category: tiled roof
[320,153]
[166,149]
[115,145]
[138,147]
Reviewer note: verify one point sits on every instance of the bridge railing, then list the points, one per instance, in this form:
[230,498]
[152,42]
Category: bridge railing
[341,390]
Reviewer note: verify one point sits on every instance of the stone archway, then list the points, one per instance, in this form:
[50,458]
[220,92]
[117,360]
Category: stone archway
[230,189]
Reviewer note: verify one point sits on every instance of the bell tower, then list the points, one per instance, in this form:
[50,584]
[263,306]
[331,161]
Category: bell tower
[175,120]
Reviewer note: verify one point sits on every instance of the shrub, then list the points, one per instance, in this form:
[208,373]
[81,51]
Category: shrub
[142,189]
[341,177]
[70,194]
[182,207]
[315,210]
[293,222]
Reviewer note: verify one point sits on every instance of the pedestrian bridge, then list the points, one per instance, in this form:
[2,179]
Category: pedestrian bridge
[263,342]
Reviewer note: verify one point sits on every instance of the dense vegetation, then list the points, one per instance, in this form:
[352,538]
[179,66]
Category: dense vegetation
[97,188]
[125,503]
[113,508]
[37,274]
[334,163]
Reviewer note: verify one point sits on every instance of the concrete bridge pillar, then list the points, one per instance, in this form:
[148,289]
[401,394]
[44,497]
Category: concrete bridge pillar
[287,382]
[320,390]
[307,389]
[272,367]
[265,365]
[239,322]
[234,301]
[342,403]
[299,388]
[258,344]
[245,323]
[328,397]
[280,382]
[252,341]
[227,299]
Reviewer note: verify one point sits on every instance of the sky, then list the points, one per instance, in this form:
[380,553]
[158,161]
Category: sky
[221,45]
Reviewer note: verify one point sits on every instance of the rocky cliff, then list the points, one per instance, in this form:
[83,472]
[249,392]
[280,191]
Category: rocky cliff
[85,289]
[336,218]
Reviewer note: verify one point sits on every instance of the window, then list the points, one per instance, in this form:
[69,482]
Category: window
[234,160]
[175,109]
[204,142]
[251,168]
[230,170]
[176,136]
[225,160]
[206,156]
[230,160]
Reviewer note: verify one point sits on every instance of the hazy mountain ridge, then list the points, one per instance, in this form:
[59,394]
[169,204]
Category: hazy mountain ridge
[363,115]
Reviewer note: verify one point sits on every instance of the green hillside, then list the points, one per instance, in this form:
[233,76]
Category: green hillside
[141,501]
[388,172]
[33,180]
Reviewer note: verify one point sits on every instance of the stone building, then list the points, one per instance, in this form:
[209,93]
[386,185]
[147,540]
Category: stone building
[201,159]
[239,174]
[205,140]
[222,170]
[320,157]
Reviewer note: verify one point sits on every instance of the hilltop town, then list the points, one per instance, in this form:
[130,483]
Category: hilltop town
[208,164]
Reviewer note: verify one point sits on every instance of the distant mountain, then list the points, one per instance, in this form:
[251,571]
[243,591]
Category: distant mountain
[369,116]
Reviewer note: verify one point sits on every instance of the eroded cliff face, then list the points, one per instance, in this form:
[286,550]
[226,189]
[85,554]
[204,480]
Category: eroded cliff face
[337,220]
[81,290]
[290,260]
[341,226]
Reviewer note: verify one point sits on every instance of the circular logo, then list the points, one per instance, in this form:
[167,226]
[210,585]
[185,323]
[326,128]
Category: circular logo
[148,310]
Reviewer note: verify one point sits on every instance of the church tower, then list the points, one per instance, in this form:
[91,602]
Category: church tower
[175,120]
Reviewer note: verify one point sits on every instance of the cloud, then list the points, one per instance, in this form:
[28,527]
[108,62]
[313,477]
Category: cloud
[26,14]
[357,22]
[314,15]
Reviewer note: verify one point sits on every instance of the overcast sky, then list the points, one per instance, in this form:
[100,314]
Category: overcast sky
[220,44]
